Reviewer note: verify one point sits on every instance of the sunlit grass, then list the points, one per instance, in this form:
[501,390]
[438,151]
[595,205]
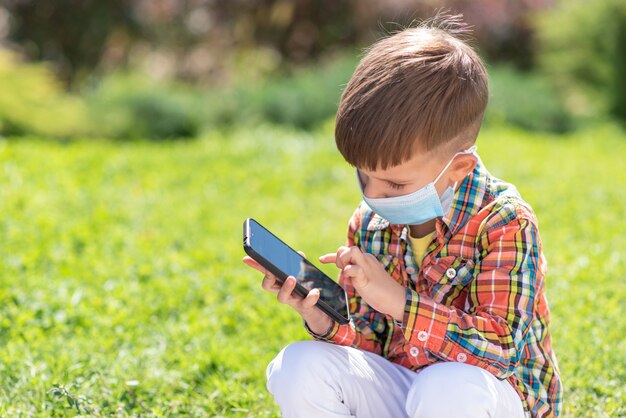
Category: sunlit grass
[122,290]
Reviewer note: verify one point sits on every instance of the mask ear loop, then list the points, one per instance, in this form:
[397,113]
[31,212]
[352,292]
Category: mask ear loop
[470,150]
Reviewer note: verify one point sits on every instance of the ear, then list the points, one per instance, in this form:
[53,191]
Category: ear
[462,166]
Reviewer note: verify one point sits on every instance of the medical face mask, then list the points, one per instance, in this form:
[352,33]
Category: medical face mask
[418,207]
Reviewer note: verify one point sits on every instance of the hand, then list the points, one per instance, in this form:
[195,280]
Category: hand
[317,320]
[370,279]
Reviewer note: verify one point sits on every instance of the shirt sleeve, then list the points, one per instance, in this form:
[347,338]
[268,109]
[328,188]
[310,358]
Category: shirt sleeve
[367,327]
[490,333]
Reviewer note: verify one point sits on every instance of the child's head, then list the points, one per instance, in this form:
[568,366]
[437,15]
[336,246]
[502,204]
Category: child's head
[419,94]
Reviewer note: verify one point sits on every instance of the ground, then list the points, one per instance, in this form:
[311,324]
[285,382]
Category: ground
[122,289]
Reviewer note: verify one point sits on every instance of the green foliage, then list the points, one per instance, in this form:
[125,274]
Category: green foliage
[581,47]
[310,96]
[132,106]
[306,98]
[32,101]
[527,100]
[122,289]
[302,99]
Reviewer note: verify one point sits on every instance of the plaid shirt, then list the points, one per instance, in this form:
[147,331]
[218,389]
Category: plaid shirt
[478,298]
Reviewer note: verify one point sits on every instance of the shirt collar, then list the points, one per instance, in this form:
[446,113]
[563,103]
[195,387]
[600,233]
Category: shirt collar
[468,200]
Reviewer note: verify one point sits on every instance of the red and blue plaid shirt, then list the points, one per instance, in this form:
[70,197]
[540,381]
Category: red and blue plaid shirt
[478,298]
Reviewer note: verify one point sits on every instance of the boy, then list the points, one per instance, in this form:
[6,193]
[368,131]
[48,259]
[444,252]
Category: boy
[443,268]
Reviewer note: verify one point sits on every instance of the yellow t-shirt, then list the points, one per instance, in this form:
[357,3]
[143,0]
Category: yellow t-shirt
[419,246]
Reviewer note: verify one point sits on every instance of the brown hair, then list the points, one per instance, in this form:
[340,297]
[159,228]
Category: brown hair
[418,89]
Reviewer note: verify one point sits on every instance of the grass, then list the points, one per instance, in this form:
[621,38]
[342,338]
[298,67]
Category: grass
[122,291]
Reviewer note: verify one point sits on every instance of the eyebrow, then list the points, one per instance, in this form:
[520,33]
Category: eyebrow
[394,181]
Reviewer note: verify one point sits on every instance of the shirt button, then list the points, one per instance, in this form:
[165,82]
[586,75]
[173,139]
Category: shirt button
[422,335]
[414,351]
[451,273]
[461,357]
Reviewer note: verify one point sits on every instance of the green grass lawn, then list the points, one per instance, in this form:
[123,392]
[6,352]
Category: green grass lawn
[122,290]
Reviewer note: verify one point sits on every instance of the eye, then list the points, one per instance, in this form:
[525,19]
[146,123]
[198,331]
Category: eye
[395,186]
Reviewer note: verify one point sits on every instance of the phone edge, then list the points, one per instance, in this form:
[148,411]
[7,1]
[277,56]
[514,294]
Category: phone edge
[300,290]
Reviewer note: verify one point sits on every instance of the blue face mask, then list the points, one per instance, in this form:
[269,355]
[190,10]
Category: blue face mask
[418,207]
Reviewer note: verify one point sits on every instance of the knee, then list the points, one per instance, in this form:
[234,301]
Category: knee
[451,389]
[297,368]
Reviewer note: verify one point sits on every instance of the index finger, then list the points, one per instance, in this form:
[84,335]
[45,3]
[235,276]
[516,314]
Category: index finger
[328,258]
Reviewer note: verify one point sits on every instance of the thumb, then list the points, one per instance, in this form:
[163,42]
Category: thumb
[311,299]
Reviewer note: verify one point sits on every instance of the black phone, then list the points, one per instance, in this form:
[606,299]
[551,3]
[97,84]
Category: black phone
[283,261]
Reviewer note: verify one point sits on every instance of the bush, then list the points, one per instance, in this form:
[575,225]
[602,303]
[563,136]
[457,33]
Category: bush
[126,105]
[302,99]
[306,98]
[581,47]
[32,101]
[310,96]
[130,106]
[527,100]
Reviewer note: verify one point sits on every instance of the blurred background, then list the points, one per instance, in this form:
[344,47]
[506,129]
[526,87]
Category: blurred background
[174,68]
[137,135]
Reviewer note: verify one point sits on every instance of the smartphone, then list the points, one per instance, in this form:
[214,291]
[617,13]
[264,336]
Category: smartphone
[282,261]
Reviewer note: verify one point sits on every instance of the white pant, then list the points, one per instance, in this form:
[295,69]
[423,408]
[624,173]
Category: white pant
[317,379]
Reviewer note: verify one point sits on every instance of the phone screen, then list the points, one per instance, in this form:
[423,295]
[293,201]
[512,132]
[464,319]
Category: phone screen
[287,260]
